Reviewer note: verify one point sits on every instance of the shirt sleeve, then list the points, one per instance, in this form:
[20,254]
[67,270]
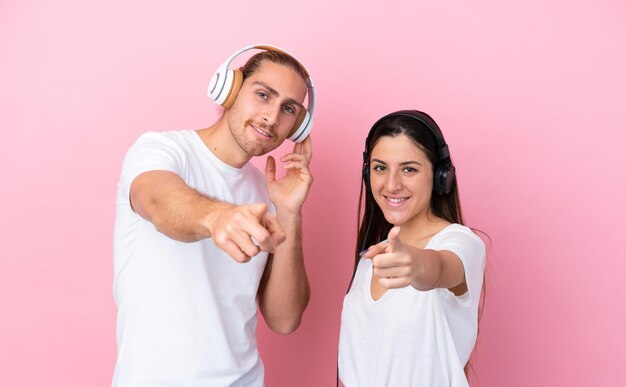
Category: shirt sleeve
[470,249]
[151,152]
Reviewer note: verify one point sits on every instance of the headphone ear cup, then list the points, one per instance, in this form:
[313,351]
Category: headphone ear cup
[302,127]
[297,125]
[450,178]
[223,85]
[365,172]
[217,83]
[233,88]
[445,177]
[366,176]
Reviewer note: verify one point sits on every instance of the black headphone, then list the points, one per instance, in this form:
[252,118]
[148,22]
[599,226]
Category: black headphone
[444,176]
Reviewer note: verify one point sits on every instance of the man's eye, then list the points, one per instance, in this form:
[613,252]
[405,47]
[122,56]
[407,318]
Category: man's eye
[289,109]
[261,94]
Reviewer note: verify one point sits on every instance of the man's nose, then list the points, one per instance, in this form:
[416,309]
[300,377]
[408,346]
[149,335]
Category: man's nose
[270,115]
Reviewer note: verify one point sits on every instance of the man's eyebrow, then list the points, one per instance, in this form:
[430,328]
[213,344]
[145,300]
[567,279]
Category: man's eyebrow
[276,94]
[265,85]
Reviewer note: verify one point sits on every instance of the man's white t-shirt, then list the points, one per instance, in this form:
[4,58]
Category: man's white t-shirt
[187,312]
[409,337]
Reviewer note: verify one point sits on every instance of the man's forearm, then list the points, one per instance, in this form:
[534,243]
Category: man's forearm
[174,208]
[284,293]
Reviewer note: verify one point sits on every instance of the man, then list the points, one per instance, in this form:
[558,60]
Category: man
[198,243]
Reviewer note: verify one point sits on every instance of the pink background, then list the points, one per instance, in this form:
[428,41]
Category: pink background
[531,96]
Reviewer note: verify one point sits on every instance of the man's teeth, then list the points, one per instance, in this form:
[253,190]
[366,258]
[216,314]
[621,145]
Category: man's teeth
[266,134]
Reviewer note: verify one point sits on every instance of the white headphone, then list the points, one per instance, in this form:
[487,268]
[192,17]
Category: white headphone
[225,85]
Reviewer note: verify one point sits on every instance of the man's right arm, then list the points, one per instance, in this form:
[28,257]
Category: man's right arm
[186,215]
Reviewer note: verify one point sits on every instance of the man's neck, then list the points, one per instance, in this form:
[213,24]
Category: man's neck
[220,141]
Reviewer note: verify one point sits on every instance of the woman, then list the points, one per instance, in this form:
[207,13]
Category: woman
[410,317]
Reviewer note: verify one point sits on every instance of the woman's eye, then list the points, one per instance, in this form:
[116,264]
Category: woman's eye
[379,168]
[410,169]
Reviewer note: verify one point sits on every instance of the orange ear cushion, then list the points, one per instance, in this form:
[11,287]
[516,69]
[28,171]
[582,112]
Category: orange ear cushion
[234,90]
[299,120]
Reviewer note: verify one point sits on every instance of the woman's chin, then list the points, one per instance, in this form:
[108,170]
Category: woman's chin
[394,219]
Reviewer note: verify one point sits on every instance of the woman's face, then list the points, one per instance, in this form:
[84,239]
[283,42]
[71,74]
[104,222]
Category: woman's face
[401,177]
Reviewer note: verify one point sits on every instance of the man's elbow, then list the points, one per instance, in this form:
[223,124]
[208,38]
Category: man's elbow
[285,321]
[286,326]
[288,322]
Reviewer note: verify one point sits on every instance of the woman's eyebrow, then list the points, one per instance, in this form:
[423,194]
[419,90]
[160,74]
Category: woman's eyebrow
[402,163]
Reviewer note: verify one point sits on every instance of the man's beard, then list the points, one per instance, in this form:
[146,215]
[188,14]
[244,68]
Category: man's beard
[251,147]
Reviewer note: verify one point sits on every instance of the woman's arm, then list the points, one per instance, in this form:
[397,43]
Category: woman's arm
[398,265]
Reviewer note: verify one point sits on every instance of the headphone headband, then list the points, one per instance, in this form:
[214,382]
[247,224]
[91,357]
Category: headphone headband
[443,152]
[225,85]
